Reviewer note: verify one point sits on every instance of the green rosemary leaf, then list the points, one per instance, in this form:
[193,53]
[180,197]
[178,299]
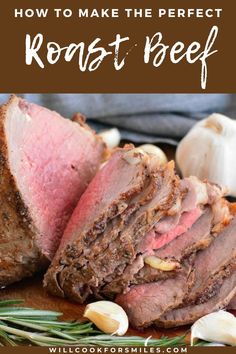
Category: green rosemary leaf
[10,302]
[42,328]
[28,312]
[7,339]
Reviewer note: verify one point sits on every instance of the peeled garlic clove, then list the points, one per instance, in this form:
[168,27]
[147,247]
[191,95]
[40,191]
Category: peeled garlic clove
[155,150]
[160,264]
[217,327]
[214,344]
[108,317]
[111,137]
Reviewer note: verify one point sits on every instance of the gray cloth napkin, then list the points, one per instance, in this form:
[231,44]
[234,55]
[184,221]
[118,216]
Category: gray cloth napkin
[140,117]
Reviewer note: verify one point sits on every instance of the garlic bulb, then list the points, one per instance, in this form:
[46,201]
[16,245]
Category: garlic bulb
[155,150]
[111,137]
[108,317]
[209,151]
[217,327]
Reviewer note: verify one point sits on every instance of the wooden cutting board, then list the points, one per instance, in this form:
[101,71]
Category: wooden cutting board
[34,295]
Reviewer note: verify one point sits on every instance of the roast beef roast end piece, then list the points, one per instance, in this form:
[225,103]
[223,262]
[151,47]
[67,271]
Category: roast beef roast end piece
[46,162]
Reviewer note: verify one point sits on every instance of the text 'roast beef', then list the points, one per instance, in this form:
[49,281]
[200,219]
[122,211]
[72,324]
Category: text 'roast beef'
[46,163]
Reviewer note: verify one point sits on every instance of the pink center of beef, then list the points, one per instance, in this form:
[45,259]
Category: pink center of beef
[52,160]
[154,240]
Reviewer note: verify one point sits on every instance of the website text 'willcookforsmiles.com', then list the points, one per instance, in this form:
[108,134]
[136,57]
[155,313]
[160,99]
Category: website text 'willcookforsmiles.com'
[117,350]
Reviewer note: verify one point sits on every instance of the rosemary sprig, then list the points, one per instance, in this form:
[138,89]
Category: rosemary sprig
[43,328]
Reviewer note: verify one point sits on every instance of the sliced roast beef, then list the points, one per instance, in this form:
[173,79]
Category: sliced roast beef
[155,240]
[170,227]
[46,163]
[175,249]
[201,234]
[137,272]
[195,194]
[198,237]
[145,303]
[210,268]
[88,249]
[210,265]
[140,232]
[102,252]
[124,249]
[191,313]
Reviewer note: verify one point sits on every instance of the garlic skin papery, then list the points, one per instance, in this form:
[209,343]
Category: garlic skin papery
[108,316]
[208,151]
[219,327]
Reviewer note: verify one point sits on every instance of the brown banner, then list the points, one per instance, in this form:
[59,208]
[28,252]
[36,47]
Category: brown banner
[117,46]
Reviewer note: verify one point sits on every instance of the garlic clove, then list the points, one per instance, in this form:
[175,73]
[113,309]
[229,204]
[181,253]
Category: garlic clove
[214,344]
[217,327]
[134,156]
[160,264]
[108,316]
[155,150]
[111,137]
